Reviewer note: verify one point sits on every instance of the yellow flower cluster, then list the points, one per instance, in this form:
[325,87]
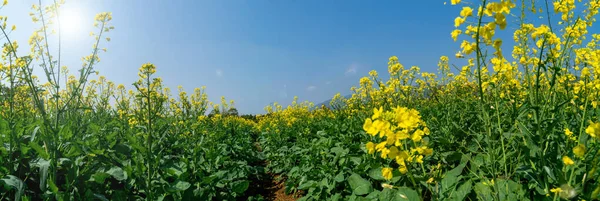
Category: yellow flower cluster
[402,132]
[593,130]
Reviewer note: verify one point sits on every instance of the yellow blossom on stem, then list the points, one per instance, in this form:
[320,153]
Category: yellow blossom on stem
[593,129]
[579,150]
[466,12]
[567,161]
[387,173]
[458,21]
[568,132]
[455,34]
[370,147]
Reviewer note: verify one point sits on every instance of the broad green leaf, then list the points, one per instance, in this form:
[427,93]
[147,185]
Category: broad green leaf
[308,184]
[359,185]
[449,183]
[100,197]
[14,183]
[117,173]
[180,185]
[339,177]
[240,186]
[174,171]
[462,191]
[456,171]
[337,150]
[34,133]
[387,194]
[123,149]
[406,194]
[510,190]
[483,191]
[356,160]
[375,173]
[39,150]
[336,197]
[53,187]
[373,195]
[43,166]
[99,177]
[550,173]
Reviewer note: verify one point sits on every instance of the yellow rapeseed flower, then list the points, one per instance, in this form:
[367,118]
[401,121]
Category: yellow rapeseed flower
[377,113]
[430,180]
[455,34]
[384,152]
[454,2]
[466,12]
[567,161]
[593,129]
[579,150]
[417,136]
[370,147]
[368,127]
[458,21]
[387,173]
[568,132]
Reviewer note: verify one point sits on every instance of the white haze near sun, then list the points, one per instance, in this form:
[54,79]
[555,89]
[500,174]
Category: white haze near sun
[76,23]
[73,26]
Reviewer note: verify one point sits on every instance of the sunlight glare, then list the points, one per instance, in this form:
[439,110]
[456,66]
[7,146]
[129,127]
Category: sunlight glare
[71,22]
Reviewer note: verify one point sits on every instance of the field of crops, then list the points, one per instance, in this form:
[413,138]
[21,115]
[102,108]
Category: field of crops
[513,123]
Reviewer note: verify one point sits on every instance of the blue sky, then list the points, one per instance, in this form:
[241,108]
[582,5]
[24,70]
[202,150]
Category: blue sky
[255,52]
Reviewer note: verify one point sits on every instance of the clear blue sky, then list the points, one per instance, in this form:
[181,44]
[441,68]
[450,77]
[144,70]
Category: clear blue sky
[256,52]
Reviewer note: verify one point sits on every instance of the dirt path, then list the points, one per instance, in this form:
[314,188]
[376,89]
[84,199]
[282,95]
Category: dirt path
[268,185]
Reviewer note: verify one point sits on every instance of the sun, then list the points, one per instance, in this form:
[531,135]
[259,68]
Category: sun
[71,22]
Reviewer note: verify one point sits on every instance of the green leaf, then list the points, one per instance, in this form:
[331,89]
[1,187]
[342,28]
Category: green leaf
[373,195]
[449,183]
[307,185]
[456,171]
[387,194]
[550,173]
[34,133]
[337,150]
[462,191]
[336,197]
[483,191]
[408,194]
[359,185]
[180,185]
[123,149]
[375,173]
[39,150]
[339,177]
[14,183]
[52,186]
[240,186]
[117,173]
[100,197]
[510,190]
[174,171]
[99,177]
[356,160]
[43,165]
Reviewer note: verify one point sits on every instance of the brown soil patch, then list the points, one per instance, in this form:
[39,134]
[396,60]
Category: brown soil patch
[278,191]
